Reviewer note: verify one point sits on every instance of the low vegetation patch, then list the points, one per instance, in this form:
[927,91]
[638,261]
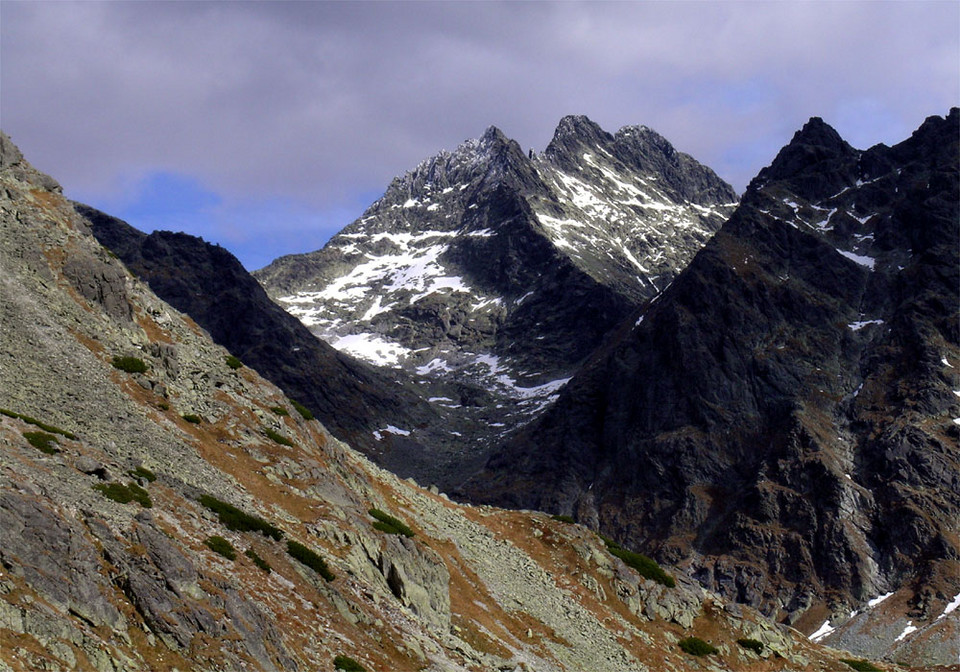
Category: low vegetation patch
[645,567]
[45,443]
[696,646]
[258,561]
[389,524]
[144,473]
[861,665]
[302,410]
[124,494]
[280,410]
[347,664]
[37,423]
[752,644]
[192,418]
[221,546]
[129,364]
[309,558]
[234,362]
[277,437]
[238,521]
[563,518]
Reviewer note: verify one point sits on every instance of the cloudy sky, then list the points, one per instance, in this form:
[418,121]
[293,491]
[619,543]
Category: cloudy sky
[268,126]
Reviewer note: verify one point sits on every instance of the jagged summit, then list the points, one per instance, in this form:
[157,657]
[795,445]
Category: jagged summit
[497,272]
[9,153]
[816,159]
[573,132]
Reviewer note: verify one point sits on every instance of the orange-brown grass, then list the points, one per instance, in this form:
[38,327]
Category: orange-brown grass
[52,204]
[94,346]
[154,331]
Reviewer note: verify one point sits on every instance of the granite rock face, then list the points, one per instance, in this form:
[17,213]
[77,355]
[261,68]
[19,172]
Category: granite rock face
[780,421]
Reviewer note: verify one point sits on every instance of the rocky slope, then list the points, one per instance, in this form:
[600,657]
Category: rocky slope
[125,430]
[210,285]
[495,272]
[783,420]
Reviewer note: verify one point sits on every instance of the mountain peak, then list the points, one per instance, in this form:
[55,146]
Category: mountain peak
[818,133]
[576,131]
[12,158]
[9,153]
[493,134]
[816,160]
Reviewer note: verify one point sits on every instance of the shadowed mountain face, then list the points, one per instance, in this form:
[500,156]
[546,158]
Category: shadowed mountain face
[781,419]
[211,286]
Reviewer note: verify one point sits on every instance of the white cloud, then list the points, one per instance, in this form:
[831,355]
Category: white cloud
[316,102]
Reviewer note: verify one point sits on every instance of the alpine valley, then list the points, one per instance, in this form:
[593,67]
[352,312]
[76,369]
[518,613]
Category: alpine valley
[723,430]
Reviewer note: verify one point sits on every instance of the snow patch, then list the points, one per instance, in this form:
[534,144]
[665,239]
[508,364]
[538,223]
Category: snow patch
[435,364]
[945,362]
[857,326]
[877,600]
[372,348]
[906,631]
[950,607]
[390,429]
[869,262]
[822,631]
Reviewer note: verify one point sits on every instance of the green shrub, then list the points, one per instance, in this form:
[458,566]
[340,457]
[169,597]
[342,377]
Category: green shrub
[221,546]
[238,521]
[140,495]
[257,560]
[280,410]
[696,646]
[347,664]
[42,441]
[563,519]
[129,364]
[163,406]
[42,425]
[609,542]
[389,524]
[277,437]
[192,418]
[645,567]
[752,644]
[310,559]
[861,665]
[302,410]
[124,494]
[144,473]
[234,362]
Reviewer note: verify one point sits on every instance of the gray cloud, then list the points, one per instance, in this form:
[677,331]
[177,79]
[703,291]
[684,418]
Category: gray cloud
[320,102]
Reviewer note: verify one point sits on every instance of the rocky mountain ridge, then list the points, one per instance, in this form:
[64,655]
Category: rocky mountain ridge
[165,508]
[497,272]
[783,420]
